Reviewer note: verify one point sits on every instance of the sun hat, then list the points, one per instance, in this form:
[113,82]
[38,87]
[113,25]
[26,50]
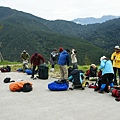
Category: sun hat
[103,57]
[24,51]
[117,47]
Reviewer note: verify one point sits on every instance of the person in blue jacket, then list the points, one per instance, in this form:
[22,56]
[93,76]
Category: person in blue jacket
[63,62]
[107,73]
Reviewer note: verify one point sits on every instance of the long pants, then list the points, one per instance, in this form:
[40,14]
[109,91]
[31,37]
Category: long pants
[107,79]
[63,72]
[33,71]
[115,72]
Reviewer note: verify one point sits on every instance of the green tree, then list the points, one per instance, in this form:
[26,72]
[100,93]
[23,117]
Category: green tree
[87,60]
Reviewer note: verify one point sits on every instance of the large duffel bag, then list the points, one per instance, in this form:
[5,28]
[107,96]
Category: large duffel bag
[43,71]
[58,86]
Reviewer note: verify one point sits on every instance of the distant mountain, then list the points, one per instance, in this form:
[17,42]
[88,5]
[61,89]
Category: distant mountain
[92,20]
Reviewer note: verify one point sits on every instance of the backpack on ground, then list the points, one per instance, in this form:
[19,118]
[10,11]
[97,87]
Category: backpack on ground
[43,71]
[78,76]
[58,85]
[6,69]
[116,93]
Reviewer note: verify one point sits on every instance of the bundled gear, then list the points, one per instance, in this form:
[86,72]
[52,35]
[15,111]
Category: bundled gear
[60,85]
[77,79]
[6,69]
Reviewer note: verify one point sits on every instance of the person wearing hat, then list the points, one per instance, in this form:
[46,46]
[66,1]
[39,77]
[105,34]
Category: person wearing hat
[53,59]
[115,57]
[36,60]
[25,57]
[107,73]
[63,62]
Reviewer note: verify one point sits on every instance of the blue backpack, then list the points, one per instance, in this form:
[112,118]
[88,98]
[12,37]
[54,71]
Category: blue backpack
[58,86]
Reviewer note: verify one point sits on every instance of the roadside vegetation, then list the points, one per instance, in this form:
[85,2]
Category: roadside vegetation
[16,65]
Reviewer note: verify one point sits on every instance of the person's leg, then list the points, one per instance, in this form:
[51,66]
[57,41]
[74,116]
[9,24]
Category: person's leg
[75,66]
[110,78]
[61,72]
[104,82]
[119,75]
[65,71]
[33,71]
[115,80]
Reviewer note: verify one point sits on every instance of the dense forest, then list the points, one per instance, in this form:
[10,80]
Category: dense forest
[20,30]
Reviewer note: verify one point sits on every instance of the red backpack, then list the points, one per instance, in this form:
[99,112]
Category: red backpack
[116,93]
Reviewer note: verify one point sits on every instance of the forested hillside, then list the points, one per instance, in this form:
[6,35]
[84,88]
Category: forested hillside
[21,31]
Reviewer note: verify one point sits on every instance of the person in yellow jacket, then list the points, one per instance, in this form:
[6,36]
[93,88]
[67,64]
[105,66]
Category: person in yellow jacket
[115,57]
[23,86]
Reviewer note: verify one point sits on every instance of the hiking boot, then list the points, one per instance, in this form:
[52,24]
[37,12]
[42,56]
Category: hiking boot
[100,91]
[31,77]
[71,88]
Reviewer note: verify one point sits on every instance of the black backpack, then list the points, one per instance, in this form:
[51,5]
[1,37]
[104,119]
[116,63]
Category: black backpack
[76,76]
[43,71]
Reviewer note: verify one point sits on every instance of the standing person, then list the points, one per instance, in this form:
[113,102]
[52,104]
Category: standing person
[63,62]
[115,57]
[53,59]
[25,57]
[36,60]
[107,73]
[74,59]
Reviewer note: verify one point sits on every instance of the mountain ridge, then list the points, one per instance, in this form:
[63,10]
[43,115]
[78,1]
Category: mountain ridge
[93,20]
[25,31]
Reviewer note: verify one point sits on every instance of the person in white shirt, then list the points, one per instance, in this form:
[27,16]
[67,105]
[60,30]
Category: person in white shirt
[74,59]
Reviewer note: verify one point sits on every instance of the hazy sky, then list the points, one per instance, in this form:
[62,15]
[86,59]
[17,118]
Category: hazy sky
[65,9]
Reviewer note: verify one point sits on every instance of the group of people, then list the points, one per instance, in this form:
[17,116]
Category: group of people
[35,60]
[62,58]
[109,67]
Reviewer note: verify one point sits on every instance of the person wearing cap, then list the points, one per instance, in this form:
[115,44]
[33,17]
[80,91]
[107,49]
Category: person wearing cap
[36,60]
[53,59]
[74,59]
[25,57]
[107,73]
[115,57]
[63,62]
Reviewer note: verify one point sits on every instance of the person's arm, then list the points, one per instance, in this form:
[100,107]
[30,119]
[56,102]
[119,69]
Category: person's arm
[113,56]
[102,64]
[41,57]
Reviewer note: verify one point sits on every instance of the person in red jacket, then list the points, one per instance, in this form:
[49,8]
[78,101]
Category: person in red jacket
[36,60]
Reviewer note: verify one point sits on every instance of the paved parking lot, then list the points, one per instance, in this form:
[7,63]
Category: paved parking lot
[43,104]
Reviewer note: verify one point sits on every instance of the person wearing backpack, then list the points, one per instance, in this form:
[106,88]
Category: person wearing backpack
[53,59]
[36,60]
[115,57]
[107,73]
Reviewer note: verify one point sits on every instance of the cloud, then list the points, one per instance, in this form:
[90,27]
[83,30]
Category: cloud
[65,9]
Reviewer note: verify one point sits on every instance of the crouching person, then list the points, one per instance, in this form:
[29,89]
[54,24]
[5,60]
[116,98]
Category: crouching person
[21,86]
[76,79]
[107,74]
